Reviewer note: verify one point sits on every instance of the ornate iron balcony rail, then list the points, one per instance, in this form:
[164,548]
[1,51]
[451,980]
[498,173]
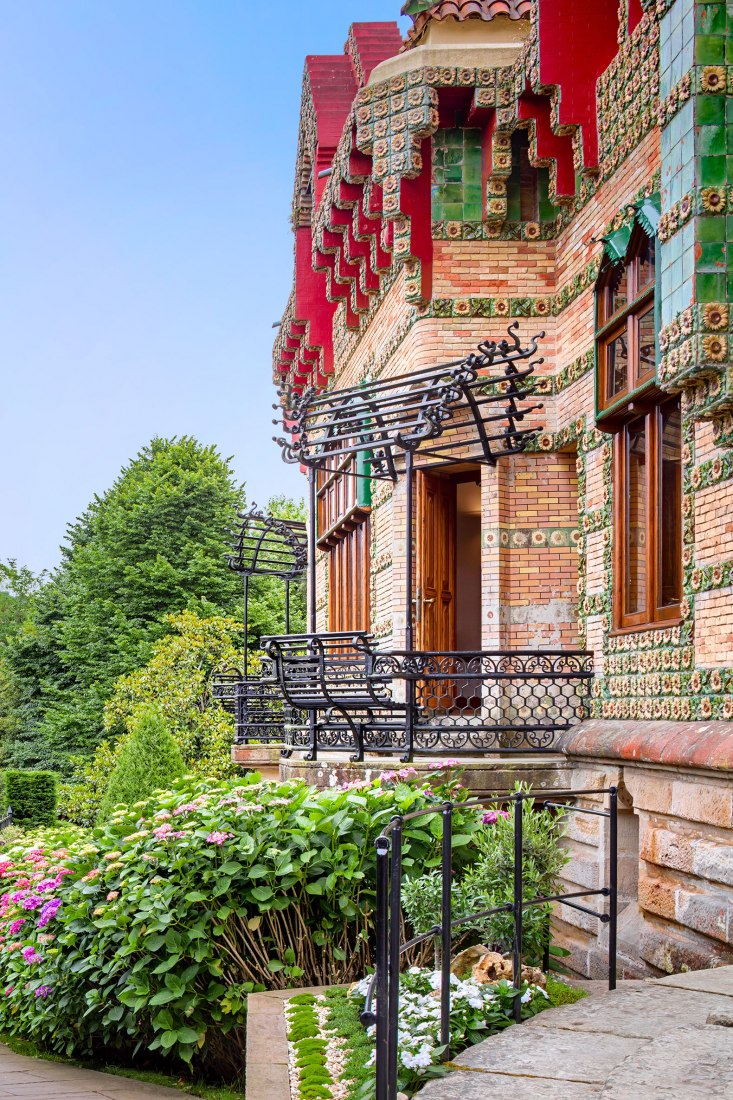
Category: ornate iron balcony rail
[337,692]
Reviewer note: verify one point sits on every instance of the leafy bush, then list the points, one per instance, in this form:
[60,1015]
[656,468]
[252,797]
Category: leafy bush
[32,797]
[177,683]
[489,882]
[154,932]
[80,798]
[150,760]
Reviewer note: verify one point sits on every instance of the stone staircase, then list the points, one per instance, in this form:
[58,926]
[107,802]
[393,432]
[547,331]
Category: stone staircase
[647,1040]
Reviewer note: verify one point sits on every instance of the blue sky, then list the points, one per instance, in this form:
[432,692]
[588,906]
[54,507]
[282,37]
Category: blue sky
[147,151]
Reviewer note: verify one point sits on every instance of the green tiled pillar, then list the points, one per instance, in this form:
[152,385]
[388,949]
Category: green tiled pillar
[696,113]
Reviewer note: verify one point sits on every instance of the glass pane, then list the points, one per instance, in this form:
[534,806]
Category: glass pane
[646,264]
[617,365]
[647,346]
[620,290]
[670,503]
[637,508]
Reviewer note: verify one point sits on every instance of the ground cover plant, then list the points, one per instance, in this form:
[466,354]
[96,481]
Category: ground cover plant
[332,1055]
[148,934]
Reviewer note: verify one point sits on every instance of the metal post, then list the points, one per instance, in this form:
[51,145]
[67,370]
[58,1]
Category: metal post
[409,633]
[312,523]
[382,901]
[446,918]
[518,899]
[245,584]
[613,886]
[287,605]
[395,936]
[410,685]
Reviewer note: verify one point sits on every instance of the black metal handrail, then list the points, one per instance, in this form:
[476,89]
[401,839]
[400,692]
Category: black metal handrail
[7,820]
[385,982]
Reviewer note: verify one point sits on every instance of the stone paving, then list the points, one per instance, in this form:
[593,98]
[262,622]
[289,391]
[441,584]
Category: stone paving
[24,1078]
[646,1040]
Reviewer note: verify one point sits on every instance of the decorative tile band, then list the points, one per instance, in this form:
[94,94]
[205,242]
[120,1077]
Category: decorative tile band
[552,384]
[675,101]
[512,538]
[702,200]
[706,578]
[496,231]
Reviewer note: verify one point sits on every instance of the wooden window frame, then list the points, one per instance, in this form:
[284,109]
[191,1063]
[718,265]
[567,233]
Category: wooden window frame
[653,614]
[343,530]
[610,325]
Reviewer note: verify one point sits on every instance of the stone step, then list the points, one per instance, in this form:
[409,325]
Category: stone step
[605,1046]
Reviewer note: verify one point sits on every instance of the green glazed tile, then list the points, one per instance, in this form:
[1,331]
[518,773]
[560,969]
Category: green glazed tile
[711,171]
[453,211]
[710,19]
[709,50]
[711,257]
[711,141]
[709,287]
[472,212]
[710,110]
[710,230]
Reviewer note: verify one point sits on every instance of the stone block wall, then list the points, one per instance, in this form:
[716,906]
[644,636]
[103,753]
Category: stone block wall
[675,846]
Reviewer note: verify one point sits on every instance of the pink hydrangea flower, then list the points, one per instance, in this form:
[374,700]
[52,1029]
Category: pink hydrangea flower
[16,926]
[218,838]
[492,816]
[31,955]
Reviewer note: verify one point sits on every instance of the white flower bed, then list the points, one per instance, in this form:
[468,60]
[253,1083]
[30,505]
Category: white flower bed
[476,1010]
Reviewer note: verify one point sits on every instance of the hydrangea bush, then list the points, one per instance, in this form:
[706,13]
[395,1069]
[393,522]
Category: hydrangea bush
[150,932]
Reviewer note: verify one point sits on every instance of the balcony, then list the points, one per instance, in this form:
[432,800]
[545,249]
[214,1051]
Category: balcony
[338,693]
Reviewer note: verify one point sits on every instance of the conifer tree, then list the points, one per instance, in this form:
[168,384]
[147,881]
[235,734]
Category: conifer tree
[149,760]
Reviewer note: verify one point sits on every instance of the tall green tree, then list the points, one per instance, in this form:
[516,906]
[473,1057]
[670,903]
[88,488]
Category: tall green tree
[152,545]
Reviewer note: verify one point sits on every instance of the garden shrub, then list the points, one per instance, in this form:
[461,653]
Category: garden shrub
[176,682]
[489,882]
[149,760]
[80,797]
[150,933]
[32,797]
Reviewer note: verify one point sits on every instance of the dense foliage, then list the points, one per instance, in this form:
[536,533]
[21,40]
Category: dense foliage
[489,882]
[32,797]
[176,681]
[153,546]
[154,931]
[149,760]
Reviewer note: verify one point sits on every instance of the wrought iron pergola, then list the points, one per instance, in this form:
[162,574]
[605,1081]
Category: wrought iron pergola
[382,421]
[262,546]
[267,546]
[337,690]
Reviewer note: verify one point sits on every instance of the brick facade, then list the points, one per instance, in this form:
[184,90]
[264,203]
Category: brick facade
[547,517]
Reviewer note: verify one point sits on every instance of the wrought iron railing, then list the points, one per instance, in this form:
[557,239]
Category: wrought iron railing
[382,1002]
[260,711]
[6,820]
[358,699]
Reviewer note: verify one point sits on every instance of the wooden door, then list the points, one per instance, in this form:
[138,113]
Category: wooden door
[348,584]
[435,608]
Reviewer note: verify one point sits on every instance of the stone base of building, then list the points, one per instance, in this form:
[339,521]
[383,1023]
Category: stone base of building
[483,775]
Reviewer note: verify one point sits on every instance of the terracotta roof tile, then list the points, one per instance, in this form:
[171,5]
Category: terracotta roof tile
[461,10]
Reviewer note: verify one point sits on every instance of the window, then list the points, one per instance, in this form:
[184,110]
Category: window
[626,322]
[343,531]
[647,427]
[648,527]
